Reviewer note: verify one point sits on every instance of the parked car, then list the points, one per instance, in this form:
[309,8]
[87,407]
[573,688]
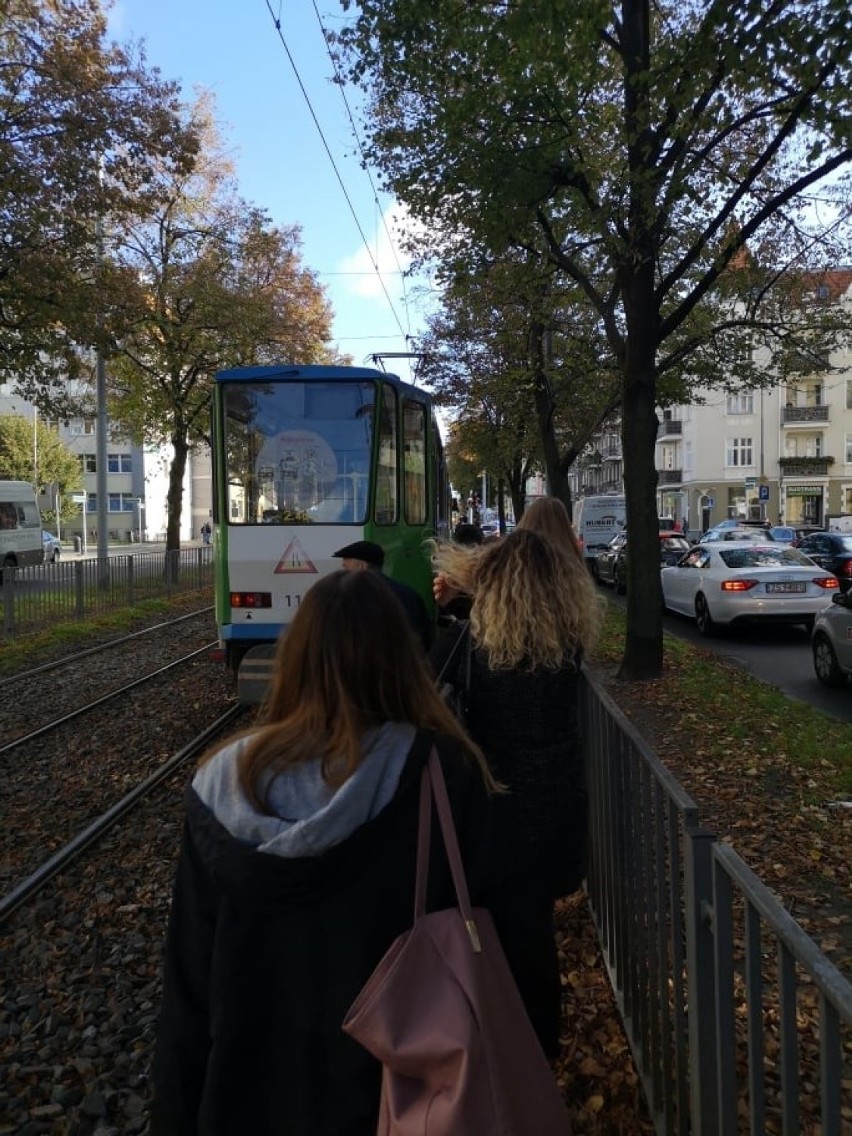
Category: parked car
[832,551]
[831,641]
[611,564]
[725,583]
[758,535]
[738,523]
[783,533]
[52,547]
[805,530]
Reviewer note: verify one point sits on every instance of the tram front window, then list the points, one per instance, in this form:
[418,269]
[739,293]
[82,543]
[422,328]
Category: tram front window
[298,453]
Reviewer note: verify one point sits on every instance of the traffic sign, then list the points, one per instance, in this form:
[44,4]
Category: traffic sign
[78,498]
[763,493]
[709,502]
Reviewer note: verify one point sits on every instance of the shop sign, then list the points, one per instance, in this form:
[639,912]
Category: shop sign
[803,490]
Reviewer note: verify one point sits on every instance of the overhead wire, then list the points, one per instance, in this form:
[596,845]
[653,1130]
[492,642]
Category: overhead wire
[277,22]
[341,87]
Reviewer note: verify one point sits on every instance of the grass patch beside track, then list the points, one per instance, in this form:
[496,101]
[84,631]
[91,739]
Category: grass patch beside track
[721,712]
[62,638]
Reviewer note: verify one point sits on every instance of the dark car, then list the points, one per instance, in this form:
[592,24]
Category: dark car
[832,551]
[612,562]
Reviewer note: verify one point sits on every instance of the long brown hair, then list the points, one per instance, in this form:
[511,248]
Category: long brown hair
[548,517]
[348,662]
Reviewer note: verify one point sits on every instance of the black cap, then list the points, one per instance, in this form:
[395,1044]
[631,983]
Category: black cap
[364,550]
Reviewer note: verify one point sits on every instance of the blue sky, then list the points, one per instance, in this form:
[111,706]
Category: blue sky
[232,48]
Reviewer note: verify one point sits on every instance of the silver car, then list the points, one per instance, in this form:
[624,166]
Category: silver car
[52,547]
[831,641]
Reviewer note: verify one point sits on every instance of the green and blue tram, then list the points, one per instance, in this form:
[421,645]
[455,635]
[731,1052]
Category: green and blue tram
[305,461]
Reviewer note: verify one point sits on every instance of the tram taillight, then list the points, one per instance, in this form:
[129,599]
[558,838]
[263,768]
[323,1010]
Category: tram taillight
[251,599]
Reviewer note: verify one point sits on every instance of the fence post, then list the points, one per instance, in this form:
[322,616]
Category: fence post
[8,577]
[131,580]
[701,983]
[79,569]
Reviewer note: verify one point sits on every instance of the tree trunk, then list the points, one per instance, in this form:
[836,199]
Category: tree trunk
[558,484]
[643,651]
[174,499]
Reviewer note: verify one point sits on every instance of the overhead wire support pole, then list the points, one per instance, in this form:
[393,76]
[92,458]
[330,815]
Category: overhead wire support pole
[101,446]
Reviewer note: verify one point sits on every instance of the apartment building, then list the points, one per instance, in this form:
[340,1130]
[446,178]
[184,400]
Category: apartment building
[137,482]
[782,453]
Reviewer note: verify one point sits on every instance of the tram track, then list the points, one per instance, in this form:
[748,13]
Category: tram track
[103,700]
[69,660]
[93,832]
[40,696]
[63,775]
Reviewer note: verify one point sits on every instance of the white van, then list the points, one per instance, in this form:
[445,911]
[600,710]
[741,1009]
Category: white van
[20,526]
[596,521]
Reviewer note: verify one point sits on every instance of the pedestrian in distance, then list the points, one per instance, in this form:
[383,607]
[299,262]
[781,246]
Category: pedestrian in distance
[296,873]
[535,613]
[205,532]
[366,554]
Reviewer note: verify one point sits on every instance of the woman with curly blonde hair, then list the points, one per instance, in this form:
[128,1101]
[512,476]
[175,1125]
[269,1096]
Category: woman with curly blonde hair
[535,613]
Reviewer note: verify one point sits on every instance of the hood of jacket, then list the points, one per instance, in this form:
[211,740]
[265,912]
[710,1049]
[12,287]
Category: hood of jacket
[324,838]
[307,816]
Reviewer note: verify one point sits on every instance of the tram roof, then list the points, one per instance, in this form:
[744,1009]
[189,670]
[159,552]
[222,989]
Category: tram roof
[293,371]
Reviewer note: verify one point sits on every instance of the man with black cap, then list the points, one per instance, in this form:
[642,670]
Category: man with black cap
[367,554]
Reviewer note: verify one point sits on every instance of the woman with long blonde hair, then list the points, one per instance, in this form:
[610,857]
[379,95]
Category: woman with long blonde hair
[535,613]
[297,871]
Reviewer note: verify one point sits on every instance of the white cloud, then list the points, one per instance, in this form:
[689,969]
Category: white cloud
[384,262]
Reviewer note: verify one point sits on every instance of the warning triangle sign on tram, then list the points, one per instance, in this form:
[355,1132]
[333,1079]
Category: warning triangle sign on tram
[295,559]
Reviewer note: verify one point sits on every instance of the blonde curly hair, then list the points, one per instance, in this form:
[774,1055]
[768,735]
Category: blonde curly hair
[534,603]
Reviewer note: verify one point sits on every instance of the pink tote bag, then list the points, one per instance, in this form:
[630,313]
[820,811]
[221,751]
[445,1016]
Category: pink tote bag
[441,1012]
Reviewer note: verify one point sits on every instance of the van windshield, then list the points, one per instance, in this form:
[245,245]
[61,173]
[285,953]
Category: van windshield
[19,515]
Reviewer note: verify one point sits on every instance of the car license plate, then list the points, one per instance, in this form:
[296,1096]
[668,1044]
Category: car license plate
[776,588]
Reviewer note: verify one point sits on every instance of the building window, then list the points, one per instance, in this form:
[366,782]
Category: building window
[741,403]
[119,463]
[120,503]
[738,452]
[849,394]
[849,448]
[88,463]
[92,503]
[88,425]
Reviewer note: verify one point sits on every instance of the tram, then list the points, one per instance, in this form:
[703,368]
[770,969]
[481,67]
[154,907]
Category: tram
[305,461]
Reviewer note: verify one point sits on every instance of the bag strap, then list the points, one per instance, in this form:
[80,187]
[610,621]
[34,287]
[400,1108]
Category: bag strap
[433,786]
[462,638]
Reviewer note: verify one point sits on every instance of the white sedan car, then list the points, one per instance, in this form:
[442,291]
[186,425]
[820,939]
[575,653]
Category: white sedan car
[727,583]
[831,641]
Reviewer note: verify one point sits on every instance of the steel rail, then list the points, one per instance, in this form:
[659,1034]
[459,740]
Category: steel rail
[94,831]
[99,701]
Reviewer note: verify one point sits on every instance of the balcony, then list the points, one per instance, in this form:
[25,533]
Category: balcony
[804,415]
[669,426]
[804,467]
[669,476]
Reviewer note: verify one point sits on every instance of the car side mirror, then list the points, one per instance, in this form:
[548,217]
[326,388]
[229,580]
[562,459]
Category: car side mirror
[842,598]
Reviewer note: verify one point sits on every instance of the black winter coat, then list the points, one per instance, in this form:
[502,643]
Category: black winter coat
[527,724]
[264,956]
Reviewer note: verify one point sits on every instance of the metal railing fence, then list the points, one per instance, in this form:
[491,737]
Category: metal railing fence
[737,1022]
[34,598]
